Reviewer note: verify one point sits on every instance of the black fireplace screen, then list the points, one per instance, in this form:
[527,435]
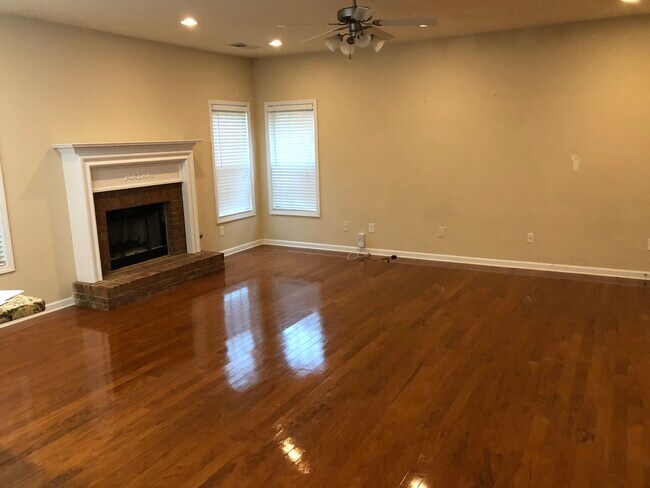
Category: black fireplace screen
[136,234]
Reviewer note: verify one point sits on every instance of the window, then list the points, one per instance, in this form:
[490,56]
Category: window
[292,158]
[233,160]
[6,255]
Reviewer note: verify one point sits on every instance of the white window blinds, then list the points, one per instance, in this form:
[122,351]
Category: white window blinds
[231,143]
[6,255]
[292,158]
[3,252]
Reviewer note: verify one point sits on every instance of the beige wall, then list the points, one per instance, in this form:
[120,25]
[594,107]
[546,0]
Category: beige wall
[473,133]
[61,84]
[476,134]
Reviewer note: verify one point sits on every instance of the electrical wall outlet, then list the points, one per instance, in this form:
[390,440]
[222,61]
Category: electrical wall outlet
[442,231]
[371,228]
[530,238]
[222,230]
[346,226]
[361,240]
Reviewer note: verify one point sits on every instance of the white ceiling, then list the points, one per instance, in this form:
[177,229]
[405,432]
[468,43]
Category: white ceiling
[255,21]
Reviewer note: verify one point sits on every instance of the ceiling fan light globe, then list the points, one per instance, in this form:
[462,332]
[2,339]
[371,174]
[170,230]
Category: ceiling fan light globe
[334,42]
[347,49]
[363,39]
[377,43]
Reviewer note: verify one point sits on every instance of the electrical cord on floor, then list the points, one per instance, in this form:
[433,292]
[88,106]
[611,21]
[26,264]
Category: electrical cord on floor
[362,255]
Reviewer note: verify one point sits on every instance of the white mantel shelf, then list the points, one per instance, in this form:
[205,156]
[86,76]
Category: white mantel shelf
[98,145]
[90,168]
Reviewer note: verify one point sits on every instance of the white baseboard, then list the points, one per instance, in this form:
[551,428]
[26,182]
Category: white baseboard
[309,245]
[49,308]
[445,258]
[242,247]
[59,304]
[498,263]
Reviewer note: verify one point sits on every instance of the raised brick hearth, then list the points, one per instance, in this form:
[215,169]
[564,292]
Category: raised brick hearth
[143,280]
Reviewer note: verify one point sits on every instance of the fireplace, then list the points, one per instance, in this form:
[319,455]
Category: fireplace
[136,234]
[129,202]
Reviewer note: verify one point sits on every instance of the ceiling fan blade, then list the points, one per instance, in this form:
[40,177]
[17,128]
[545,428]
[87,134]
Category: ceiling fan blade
[324,34]
[362,14]
[381,33]
[415,21]
[282,26]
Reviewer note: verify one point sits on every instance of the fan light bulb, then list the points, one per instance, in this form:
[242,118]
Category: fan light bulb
[363,40]
[377,43]
[334,42]
[347,49]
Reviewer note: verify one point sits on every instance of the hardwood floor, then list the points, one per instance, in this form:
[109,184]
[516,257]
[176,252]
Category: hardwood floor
[303,369]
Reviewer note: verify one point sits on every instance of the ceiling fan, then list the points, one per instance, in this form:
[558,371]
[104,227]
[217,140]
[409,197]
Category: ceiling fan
[356,27]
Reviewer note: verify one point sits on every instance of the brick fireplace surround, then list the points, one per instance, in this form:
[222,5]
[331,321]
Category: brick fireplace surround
[170,195]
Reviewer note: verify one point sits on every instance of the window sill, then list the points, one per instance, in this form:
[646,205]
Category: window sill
[232,218]
[7,268]
[295,213]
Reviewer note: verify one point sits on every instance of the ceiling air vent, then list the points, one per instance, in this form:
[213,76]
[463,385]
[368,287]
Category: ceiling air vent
[243,45]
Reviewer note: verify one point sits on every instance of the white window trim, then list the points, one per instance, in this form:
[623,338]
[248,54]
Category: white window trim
[294,213]
[247,108]
[9,267]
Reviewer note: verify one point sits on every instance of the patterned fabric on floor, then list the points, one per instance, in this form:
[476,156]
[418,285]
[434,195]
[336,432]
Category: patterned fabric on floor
[20,306]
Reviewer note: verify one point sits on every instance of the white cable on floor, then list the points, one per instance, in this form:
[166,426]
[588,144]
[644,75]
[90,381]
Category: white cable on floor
[362,255]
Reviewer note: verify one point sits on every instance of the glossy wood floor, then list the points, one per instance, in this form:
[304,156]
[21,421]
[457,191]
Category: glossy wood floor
[302,369]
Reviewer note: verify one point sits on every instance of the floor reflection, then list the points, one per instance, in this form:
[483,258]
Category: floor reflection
[292,452]
[302,341]
[303,344]
[98,368]
[416,481]
[241,369]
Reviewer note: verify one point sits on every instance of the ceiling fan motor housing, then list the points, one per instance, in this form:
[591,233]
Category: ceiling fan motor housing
[345,15]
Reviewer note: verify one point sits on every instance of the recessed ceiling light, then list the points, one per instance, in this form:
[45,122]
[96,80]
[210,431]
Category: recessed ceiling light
[424,25]
[630,1]
[189,22]
[275,43]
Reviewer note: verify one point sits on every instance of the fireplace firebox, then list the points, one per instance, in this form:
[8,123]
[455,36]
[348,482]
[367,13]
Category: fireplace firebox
[136,234]
[126,209]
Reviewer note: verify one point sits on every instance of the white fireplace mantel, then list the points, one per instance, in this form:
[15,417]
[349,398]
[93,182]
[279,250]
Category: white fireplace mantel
[92,168]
